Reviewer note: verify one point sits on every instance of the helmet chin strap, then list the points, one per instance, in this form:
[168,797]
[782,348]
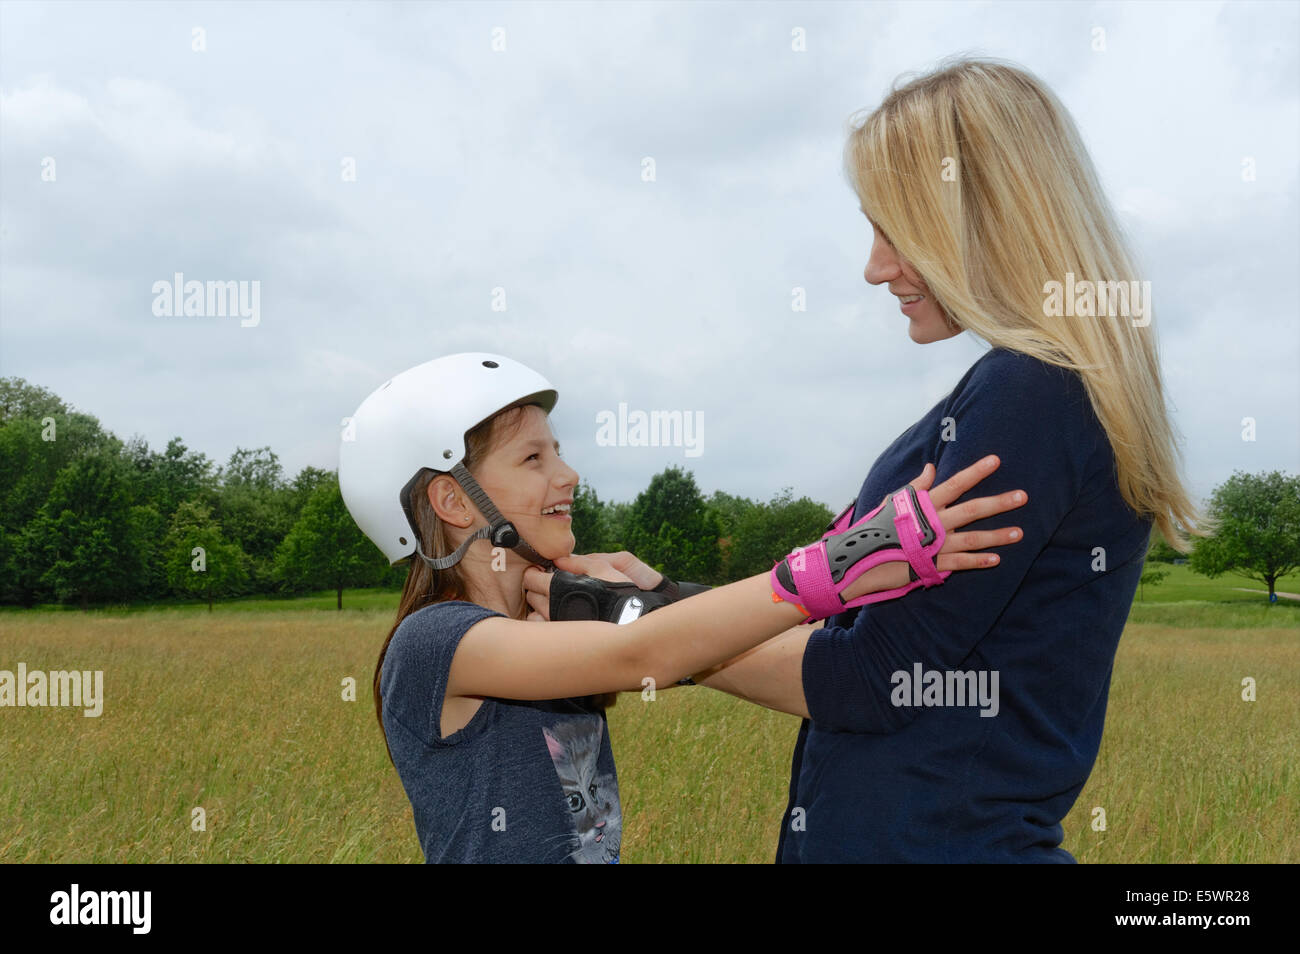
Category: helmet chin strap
[499,530]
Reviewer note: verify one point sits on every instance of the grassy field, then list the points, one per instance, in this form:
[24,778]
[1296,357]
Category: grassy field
[240,712]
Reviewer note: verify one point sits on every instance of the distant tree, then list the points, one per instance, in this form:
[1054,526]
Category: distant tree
[731,509]
[200,562]
[766,532]
[79,540]
[254,507]
[1151,575]
[167,479]
[616,514]
[302,486]
[259,467]
[1161,552]
[590,523]
[670,527]
[1258,529]
[40,435]
[146,538]
[326,549]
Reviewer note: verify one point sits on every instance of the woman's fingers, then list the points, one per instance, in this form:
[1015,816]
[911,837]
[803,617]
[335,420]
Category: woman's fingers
[980,539]
[541,605]
[966,561]
[962,481]
[981,507]
[926,479]
[537,580]
[592,564]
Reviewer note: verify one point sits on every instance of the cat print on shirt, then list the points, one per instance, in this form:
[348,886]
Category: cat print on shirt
[590,797]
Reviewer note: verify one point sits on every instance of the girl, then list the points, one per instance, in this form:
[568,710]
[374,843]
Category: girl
[488,718]
[984,207]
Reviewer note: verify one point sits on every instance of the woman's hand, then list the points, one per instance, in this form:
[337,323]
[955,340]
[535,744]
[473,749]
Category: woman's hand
[620,567]
[627,567]
[955,553]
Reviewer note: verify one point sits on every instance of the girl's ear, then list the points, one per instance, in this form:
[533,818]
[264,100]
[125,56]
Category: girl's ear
[442,498]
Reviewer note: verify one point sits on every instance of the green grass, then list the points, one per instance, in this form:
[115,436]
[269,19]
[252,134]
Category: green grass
[1182,585]
[239,712]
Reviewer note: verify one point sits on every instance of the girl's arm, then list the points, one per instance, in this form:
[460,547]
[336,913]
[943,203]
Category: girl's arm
[515,659]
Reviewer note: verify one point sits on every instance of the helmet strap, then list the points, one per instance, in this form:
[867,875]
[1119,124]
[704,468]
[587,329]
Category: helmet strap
[442,563]
[496,522]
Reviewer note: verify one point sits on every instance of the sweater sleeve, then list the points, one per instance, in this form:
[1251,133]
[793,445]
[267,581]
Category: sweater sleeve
[1038,421]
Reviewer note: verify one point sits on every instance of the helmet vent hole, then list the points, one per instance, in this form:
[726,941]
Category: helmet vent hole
[402,540]
[490,364]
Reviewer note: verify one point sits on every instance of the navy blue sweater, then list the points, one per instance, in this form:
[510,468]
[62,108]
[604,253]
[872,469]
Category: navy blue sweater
[877,780]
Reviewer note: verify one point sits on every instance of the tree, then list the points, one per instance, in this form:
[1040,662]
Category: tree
[590,527]
[79,540]
[39,437]
[258,468]
[176,475]
[300,489]
[326,549]
[254,508]
[145,538]
[200,561]
[1151,575]
[1161,552]
[766,532]
[1257,529]
[670,527]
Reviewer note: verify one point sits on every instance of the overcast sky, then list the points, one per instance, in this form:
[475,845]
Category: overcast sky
[215,141]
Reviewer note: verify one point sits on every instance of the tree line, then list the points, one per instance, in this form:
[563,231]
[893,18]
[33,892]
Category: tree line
[86,518]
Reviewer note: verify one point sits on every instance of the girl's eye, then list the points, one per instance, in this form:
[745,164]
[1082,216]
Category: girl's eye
[531,456]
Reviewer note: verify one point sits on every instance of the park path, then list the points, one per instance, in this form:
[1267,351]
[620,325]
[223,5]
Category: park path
[1289,596]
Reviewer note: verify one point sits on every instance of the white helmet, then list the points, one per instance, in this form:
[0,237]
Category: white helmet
[418,419]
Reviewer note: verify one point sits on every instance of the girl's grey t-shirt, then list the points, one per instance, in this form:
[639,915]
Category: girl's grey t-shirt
[524,781]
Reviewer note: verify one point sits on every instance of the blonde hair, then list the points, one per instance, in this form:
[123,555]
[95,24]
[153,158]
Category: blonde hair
[977,176]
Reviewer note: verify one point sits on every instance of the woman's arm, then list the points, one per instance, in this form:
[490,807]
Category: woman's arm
[770,674]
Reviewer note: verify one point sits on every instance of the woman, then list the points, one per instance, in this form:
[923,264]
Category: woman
[981,197]
[485,714]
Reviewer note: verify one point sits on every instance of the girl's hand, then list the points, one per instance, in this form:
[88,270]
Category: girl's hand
[955,553]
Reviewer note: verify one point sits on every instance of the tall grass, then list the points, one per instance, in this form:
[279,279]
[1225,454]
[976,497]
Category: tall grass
[239,712]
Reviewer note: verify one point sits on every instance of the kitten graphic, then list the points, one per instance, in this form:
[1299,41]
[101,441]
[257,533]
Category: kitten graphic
[590,797]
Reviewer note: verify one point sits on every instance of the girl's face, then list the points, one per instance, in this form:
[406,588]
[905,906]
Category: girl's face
[531,485]
[928,322]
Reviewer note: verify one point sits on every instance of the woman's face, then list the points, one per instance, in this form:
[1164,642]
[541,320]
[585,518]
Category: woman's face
[525,476]
[927,321]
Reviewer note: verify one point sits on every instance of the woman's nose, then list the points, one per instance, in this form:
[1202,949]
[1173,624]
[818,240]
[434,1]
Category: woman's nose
[882,264]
